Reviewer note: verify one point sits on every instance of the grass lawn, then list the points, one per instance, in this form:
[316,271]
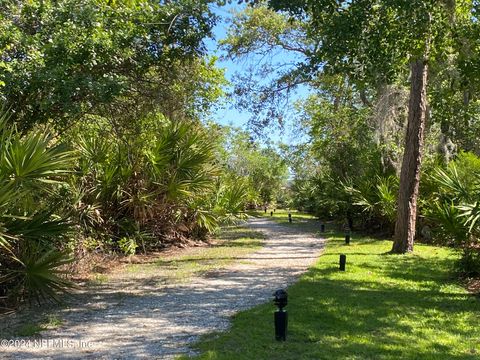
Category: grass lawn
[232,243]
[281,214]
[382,307]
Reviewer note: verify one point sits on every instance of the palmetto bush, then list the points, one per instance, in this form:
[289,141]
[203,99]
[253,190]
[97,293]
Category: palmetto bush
[128,193]
[183,175]
[233,196]
[163,184]
[32,167]
[454,208]
[377,199]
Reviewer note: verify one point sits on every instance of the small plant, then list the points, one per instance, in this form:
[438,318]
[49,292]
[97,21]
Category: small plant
[53,321]
[29,330]
[128,245]
[36,274]
[100,278]
[33,328]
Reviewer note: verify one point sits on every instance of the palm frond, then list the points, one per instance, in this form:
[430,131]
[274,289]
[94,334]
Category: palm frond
[451,183]
[471,215]
[38,273]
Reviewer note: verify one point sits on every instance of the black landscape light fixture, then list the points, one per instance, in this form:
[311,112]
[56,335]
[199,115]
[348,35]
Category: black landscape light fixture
[343,262]
[265,210]
[322,228]
[289,217]
[271,213]
[281,317]
[347,236]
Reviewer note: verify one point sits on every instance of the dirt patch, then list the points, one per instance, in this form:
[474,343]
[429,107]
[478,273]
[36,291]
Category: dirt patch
[473,286]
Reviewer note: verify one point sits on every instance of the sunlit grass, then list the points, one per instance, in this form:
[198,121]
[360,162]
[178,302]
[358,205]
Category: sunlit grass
[35,327]
[280,214]
[233,243]
[383,307]
[300,220]
[98,279]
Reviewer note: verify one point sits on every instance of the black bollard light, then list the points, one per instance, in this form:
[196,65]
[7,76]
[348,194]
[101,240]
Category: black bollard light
[322,228]
[343,262]
[347,236]
[280,316]
[265,210]
[289,218]
[271,213]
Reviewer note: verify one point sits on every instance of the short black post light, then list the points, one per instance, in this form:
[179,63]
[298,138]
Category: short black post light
[343,262]
[322,228]
[271,213]
[289,217]
[347,236]
[265,210]
[281,315]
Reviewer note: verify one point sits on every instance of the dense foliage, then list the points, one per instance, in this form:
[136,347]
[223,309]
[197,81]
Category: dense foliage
[170,182]
[60,60]
[32,233]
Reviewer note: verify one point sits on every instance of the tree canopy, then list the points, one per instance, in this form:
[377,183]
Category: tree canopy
[63,59]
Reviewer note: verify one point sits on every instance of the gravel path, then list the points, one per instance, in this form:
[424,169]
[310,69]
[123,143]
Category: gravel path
[132,318]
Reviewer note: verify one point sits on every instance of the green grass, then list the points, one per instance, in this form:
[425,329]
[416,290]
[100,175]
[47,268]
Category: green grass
[98,279]
[233,243]
[281,214]
[34,328]
[300,220]
[383,307]
[29,329]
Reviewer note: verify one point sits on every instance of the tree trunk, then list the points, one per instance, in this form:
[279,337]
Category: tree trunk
[412,159]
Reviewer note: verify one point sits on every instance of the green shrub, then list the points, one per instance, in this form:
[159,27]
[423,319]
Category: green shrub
[36,274]
[454,209]
[128,245]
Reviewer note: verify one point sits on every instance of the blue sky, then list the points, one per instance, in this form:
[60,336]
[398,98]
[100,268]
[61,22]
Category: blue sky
[227,115]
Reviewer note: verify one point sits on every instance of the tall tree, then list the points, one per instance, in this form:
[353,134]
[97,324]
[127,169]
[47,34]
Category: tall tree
[412,158]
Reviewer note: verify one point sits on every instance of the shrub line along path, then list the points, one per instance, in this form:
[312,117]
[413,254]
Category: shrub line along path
[134,319]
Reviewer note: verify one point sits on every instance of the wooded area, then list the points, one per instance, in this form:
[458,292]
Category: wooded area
[107,143]
[392,116]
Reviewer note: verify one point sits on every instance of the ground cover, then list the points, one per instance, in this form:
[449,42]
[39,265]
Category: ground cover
[383,307]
